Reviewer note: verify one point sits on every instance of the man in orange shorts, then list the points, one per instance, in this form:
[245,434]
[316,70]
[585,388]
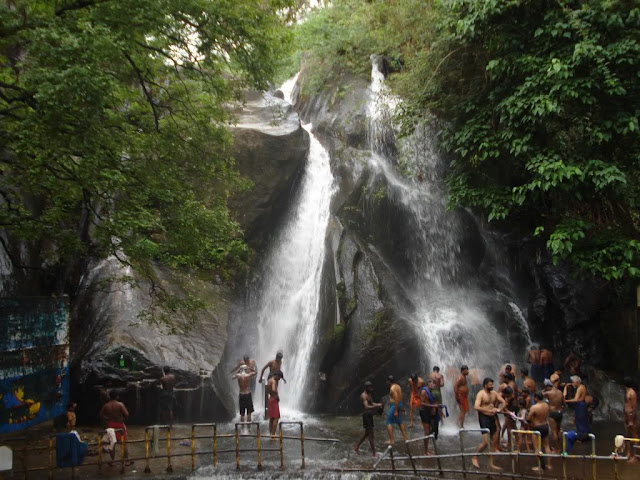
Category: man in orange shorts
[273,405]
[416,383]
[461,391]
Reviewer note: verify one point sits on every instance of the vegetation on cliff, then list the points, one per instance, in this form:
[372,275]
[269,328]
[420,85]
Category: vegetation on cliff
[114,138]
[539,102]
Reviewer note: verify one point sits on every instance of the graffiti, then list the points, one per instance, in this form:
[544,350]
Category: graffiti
[34,372]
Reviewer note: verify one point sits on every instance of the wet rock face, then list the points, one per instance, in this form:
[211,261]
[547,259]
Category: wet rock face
[270,148]
[105,328]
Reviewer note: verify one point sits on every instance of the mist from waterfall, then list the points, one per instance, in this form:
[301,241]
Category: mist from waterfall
[448,318]
[289,300]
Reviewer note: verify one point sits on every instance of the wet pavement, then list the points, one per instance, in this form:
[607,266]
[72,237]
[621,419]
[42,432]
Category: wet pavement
[323,460]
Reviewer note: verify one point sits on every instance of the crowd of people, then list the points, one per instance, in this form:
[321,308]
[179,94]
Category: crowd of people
[536,401]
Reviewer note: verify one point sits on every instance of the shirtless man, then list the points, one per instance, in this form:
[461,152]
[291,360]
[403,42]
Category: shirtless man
[533,358]
[506,368]
[556,405]
[167,396]
[528,383]
[369,409]
[488,403]
[273,408]
[630,416]
[394,416]
[273,366]
[438,382]
[113,414]
[461,391]
[245,400]
[538,418]
[251,363]
[546,362]
[578,403]
[415,384]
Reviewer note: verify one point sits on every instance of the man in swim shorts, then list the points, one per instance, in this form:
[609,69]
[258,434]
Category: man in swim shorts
[461,391]
[538,418]
[369,409]
[556,405]
[488,403]
[438,380]
[245,400]
[394,416]
[415,383]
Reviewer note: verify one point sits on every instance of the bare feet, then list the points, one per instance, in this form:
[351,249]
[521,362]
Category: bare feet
[633,459]
[428,452]
[474,460]
[391,442]
[495,468]
[355,449]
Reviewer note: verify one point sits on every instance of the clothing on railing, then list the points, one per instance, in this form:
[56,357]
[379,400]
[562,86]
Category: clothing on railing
[70,451]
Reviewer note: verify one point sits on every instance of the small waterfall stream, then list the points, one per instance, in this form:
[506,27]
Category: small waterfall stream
[290,297]
[448,318]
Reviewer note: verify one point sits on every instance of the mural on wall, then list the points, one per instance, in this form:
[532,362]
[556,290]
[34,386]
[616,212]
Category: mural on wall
[34,353]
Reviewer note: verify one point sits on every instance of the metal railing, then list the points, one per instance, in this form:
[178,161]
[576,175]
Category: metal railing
[29,451]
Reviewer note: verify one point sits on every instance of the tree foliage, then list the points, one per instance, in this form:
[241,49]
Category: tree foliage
[539,103]
[113,137]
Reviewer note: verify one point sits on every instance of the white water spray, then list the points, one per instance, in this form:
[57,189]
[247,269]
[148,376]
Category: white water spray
[449,320]
[289,301]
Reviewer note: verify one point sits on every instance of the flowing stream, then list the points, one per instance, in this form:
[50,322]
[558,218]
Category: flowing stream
[290,297]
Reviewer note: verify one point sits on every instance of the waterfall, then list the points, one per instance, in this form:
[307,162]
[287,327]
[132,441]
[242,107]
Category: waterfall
[289,300]
[449,318]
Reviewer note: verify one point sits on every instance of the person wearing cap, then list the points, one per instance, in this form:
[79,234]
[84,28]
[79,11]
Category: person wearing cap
[394,417]
[273,406]
[370,408]
[556,405]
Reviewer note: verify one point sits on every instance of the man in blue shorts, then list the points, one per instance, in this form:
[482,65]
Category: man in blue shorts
[394,415]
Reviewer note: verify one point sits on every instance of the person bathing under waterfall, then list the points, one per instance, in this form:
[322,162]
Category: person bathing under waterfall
[369,409]
[488,404]
[415,384]
[245,400]
[461,391]
[393,415]
[273,409]
[273,366]
[438,380]
[252,364]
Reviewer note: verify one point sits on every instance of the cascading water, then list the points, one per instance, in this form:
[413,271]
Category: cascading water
[448,318]
[289,301]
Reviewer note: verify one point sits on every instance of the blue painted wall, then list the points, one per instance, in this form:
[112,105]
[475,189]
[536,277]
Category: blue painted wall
[34,353]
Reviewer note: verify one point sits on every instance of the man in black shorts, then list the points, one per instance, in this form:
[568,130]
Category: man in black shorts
[244,376]
[429,413]
[488,403]
[538,417]
[370,409]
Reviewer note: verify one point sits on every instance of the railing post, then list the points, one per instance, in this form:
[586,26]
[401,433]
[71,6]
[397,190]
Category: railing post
[413,462]
[169,466]
[24,458]
[464,463]
[281,450]
[393,463]
[237,448]
[540,452]
[147,468]
[594,468]
[564,455]
[259,446]
[193,447]
[302,444]
[215,445]
[435,449]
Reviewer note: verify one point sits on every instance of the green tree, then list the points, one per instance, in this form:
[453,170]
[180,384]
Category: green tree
[540,103]
[113,137]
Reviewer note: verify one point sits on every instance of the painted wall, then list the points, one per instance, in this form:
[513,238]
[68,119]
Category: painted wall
[34,353]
